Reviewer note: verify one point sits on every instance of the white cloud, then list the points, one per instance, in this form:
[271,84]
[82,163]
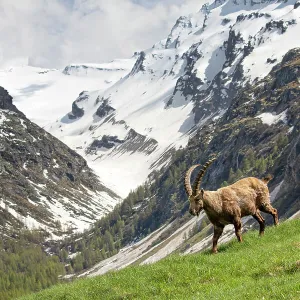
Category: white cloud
[53,33]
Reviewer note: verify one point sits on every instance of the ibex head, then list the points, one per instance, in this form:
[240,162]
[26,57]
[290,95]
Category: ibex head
[195,194]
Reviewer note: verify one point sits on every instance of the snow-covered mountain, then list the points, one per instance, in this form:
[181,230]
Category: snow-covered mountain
[126,117]
[44,94]
[257,135]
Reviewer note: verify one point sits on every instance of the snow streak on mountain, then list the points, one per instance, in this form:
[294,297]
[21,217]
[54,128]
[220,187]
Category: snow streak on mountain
[125,117]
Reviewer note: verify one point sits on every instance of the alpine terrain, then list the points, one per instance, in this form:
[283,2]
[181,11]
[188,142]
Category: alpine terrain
[45,184]
[224,82]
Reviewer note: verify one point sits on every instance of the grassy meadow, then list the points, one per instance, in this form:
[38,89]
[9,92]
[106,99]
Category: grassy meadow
[265,267]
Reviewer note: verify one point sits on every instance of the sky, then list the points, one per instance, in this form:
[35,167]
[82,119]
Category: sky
[55,33]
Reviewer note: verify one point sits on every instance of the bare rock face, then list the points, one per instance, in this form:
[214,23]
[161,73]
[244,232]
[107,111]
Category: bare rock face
[106,141]
[279,25]
[188,83]
[6,101]
[139,64]
[287,71]
[104,109]
[78,112]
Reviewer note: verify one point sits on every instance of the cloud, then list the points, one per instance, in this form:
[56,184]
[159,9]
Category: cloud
[54,33]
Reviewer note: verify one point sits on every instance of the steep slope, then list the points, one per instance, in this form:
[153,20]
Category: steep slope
[175,87]
[258,134]
[142,109]
[225,81]
[44,184]
[235,96]
[43,94]
[271,262]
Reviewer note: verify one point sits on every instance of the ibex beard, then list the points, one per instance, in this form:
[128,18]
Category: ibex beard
[227,205]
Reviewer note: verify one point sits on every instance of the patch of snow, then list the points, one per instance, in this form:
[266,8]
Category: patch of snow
[23,123]
[291,129]
[45,173]
[2,117]
[269,118]
[28,221]
[71,256]
[55,166]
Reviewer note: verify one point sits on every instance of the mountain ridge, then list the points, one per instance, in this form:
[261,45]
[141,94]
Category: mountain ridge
[257,135]
[225,81]
[45,184]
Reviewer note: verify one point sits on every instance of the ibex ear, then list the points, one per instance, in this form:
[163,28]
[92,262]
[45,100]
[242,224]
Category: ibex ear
[202,192]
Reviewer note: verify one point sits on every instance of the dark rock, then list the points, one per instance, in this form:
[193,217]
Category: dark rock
[70,177]
[287,71]
[231,49]
[104,109]
[78,112]
[281,25]
[225,21]
[271,61]
[133,142]
[188,83]
[68,69]
[136,142]
[6,102]
[106,141]
[290,56]
[250,16]
[138,66]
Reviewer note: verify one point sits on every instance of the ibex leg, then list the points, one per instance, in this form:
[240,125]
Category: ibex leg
[218,230]
[238,229]
[258,217]
[267,208]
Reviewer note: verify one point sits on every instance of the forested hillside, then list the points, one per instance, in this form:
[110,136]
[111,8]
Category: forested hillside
[24,266]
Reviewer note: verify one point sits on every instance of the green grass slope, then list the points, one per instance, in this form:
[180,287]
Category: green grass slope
[265,267]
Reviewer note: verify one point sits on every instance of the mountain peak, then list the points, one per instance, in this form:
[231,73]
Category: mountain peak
[6,101]
[182,26]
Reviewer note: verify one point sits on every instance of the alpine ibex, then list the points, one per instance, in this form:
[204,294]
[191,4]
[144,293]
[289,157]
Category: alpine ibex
[229,204]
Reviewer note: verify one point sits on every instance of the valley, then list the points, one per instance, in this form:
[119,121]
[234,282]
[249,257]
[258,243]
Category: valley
[93,156]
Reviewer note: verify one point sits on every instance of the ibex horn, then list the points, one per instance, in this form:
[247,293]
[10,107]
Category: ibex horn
[196,187]
[187,180]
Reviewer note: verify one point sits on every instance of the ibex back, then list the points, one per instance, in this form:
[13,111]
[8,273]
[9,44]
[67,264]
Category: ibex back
[227,205]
